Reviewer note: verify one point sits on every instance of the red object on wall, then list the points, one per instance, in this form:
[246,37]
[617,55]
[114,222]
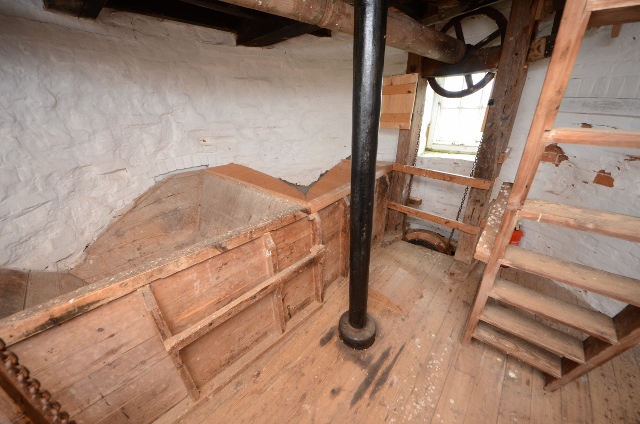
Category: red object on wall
[516,237]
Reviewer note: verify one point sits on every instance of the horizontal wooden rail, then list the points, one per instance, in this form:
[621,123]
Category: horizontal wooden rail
[207,324]
[609,4]
[470,229]
[443,176]
[593,137]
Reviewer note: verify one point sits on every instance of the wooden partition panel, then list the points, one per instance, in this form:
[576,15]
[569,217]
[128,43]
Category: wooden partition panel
[105,365]
[194,293]
[292,242]
[216,350]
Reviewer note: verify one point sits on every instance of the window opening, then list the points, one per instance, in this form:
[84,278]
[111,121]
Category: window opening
[456,124]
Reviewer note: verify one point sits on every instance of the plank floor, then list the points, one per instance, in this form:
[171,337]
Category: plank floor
[417,370]
[20,290]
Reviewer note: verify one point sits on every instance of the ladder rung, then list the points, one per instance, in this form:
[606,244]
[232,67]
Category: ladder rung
[615,286]
[591,137]
[610,224]
[590,322]
[593,5]
[518,348]
[555,341]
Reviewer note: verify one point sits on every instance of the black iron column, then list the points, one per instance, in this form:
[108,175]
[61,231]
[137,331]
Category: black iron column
[357,328]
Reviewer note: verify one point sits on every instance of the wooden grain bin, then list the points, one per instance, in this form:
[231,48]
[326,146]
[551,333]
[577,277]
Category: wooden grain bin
[204,273]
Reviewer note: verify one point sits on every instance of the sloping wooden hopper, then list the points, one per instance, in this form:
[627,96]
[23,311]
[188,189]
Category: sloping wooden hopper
[180,212]
[204,273]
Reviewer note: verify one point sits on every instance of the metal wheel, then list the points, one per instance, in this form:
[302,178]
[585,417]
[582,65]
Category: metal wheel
[456,23]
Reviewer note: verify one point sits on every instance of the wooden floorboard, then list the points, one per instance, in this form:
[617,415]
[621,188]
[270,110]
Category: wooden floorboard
[417,371]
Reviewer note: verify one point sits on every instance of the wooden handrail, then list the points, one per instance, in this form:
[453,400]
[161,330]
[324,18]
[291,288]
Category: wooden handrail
[443,176]
[434,218]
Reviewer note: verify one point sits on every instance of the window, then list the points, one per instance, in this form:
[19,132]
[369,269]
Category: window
[455,125]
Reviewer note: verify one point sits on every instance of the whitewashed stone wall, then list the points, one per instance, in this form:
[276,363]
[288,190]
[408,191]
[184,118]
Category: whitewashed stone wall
[92,113]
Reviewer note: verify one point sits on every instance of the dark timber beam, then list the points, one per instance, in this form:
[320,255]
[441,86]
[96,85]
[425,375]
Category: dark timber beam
[402,32]
[507,91]
[178,11]
[357,329]
[481,60]
[268,33]
[227,8]
[92,8]
[452,12]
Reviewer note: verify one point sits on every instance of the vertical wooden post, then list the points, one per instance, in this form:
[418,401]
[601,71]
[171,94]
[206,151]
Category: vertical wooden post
[407,151]
[507,91]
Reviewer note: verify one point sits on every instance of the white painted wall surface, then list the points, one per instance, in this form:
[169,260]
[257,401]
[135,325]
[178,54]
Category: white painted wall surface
[93,112]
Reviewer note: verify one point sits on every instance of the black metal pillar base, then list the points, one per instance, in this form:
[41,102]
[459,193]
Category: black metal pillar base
[357,338]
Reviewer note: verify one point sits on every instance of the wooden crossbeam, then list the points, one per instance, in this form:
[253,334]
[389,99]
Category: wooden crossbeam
[443,176]
[434,218]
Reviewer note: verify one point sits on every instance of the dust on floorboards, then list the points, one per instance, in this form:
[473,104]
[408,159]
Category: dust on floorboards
[416,371]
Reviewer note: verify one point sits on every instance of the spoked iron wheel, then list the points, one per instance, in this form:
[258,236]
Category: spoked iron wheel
[456,24]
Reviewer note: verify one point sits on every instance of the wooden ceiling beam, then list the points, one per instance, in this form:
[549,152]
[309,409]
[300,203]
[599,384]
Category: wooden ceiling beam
[227,8]
[91,8]
[402,32]
[482,60]
[178,11]
[452,12]
[268,33]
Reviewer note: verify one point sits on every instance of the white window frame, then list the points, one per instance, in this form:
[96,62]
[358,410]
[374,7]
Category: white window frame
[451,146]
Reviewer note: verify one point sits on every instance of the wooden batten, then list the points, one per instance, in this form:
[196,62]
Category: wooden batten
[398,98]
[434,218]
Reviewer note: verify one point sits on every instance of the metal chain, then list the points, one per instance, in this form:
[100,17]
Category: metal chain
[31,386]
[466,190]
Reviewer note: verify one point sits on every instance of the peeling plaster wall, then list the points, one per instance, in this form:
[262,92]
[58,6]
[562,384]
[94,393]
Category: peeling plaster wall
[604,92]
[93,112]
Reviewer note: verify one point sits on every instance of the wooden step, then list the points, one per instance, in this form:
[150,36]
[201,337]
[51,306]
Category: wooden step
[589,322]
[610,224]
[592,137]
[518,348]
[555,341]
[615,286]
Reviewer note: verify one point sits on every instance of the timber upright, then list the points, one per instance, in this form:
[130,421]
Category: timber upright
[357,328]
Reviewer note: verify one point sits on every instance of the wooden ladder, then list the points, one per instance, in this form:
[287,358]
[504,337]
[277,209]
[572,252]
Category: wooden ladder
[563,357]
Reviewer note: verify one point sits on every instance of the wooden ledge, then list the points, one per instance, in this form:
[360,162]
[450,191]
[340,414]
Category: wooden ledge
[332,186]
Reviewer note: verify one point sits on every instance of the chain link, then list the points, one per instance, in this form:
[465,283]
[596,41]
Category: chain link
[31,386]
[466,190]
